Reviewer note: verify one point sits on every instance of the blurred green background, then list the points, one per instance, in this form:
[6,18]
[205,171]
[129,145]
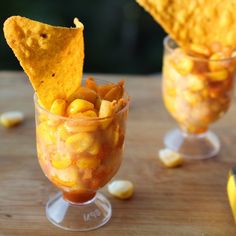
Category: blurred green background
[120,37]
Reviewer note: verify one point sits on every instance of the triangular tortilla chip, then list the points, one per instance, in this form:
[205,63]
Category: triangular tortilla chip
[201,22]
[52,57]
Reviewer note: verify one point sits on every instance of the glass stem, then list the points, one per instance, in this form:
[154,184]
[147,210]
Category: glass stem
[79,197]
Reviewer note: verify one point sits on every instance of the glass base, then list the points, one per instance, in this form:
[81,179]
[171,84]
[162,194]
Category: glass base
[190,146]
[79,217]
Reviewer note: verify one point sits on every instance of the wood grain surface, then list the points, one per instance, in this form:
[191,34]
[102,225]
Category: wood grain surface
[187,201]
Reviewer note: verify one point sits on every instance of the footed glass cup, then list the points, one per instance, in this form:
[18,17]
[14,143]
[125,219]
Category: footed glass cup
[197,91]
[79,156]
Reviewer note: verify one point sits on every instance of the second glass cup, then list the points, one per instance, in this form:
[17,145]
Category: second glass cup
[197,91]
[79,156]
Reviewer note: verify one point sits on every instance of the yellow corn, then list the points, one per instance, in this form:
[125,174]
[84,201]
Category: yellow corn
[200,49]
[94,149]
[66,177]
[170,158]
[122,189]
[80,142]
[42,117]
[53,121]
[11,118]
[195,82]
[116,135]
[88,162]
[183,65]
[84,94]
[190,97]
[61,161]
[233,54]
[58,107]
[75,126]
[171,91]
[89,113]
[218,75]
[79,105]
[112,134]
[216,63]
[62,132]
[106,110]
[169,103]
[46,133]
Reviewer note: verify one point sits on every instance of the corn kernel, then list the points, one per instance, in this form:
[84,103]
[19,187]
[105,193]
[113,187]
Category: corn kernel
[106,110]
[58,107]
[171,91]
[195,82]
[218,75]
[61,161]
[225,20]
[62,132]
[80,142]
[88,162]
[74,126]
[53,121]
[169,103]
[216,63]
[116,135]
[84,94]
[89,113]
[42,117]
[79,105]
[170,158]
[11,118]
[112,135]
[46,133]
[191,98]
[200,49]
[94,149]
[233,54]
[66,177]
[183,64]
[122,189]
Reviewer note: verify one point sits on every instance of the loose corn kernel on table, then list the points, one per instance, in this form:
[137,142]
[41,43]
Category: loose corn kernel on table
[190,200]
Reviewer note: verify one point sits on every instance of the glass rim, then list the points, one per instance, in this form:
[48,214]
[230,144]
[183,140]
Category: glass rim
[196,58]
[82,119]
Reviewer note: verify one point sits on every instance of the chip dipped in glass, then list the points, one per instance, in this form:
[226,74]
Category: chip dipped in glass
[80,145]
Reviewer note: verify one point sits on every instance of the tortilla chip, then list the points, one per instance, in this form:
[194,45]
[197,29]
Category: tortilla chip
[52,57]
[202,22]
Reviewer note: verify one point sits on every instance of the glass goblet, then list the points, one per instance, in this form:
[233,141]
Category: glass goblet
[79,156]
[197,91]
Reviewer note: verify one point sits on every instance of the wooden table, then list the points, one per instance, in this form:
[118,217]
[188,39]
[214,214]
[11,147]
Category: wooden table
[187,201]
